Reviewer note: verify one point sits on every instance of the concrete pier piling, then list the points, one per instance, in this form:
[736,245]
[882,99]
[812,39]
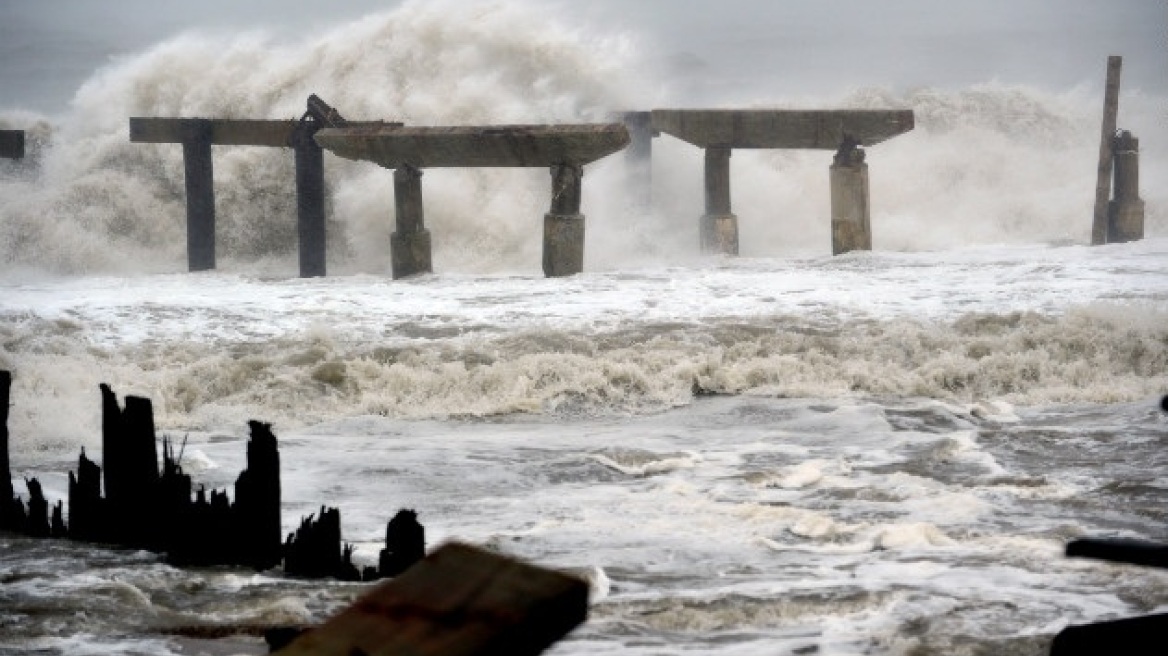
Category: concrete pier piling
[851,228]
[1125,214]
[564,149]
[719,131]
[563,225]
[1107,136]
[197,135]
[719,227]
[200,187]
[410,248]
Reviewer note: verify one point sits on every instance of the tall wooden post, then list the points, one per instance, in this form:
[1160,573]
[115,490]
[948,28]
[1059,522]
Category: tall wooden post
[200,182]
[1103,180]
[719,227]
[310,221]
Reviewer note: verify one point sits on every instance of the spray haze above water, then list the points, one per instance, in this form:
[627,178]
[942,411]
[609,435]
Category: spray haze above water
[987,163]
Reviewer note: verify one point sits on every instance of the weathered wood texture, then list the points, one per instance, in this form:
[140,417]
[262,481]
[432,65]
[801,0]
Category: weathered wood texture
[1107,134]
[765,128]
[458,601]
[475,146]
[12,144]
[10,518]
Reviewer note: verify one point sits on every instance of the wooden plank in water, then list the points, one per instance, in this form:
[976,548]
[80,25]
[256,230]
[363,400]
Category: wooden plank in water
[458,601]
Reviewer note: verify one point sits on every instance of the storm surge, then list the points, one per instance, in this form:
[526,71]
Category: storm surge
[987,164]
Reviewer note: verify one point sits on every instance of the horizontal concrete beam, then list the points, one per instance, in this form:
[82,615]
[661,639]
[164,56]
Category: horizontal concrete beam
[12,144]
[764,128]
[224,131]
[474,146]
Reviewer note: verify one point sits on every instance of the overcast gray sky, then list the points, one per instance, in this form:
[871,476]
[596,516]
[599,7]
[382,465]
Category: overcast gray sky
[49,47]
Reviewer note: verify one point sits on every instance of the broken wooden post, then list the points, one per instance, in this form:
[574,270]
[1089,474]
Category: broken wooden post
[1125,213]
[1103,178]
[563,225]
[8,500]
[851,224]
[409,244]
[12,144]
[405,544]
[458,600]
[130,461]
[257,500]
[314,550]
[719,227]
[86,507]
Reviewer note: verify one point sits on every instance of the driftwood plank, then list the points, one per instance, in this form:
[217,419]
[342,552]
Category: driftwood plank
[458,601]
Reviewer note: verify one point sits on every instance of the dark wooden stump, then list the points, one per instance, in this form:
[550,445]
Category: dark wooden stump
[405,544]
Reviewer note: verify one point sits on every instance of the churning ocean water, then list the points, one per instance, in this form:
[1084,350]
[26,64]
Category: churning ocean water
[781,453]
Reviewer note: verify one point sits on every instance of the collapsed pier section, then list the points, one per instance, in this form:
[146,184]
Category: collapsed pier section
[563,149]
[719,131]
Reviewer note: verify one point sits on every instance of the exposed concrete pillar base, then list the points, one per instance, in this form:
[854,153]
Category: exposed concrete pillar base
[851,228]
[1125,214]
[1125,220]
[563,244]
[719,234]
[410,253]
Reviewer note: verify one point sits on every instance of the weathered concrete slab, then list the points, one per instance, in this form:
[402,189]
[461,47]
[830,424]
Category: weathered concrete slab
[458,601]
[224,131]
[767,128]
[12,144]
[475,146]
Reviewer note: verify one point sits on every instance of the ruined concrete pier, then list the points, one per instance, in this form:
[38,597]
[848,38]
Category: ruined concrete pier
[12,144]
[564,149]
[851,220]
[197,135]
[1125,213]
[410,247]
[719,131]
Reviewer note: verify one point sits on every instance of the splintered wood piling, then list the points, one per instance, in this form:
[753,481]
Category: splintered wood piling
[146,508]
[11,510]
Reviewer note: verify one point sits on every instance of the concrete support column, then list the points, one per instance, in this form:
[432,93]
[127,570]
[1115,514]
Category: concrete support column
[851,228]
[563,226]
[1125,214]
[1103,176]
[719,228]
[310,221]
[639,159]
[200,183]
[410,243]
